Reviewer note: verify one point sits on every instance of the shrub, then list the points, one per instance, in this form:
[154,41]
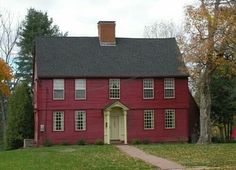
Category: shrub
[145,141]
[20,117]
[47,143]
[194,138]
[99,142]
[232,141]
[13,143]
[64,143]
[218,140]
[181,140]
[136,142]
[80,142]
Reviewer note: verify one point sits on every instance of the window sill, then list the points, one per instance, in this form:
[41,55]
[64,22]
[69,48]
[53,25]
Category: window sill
[81,99]
[169,128]
[149,98]
[149,129]
[58,99]
[78,130]
[169,98]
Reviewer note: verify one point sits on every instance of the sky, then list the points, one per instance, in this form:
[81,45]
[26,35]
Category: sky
[80,17]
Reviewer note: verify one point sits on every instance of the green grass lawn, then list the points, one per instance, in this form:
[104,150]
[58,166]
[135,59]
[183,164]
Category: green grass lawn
[191,155]
[69,158]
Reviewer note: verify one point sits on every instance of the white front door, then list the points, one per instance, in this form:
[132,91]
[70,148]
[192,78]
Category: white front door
[114,124]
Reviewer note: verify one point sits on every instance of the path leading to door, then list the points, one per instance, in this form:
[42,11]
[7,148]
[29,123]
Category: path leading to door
[163,164]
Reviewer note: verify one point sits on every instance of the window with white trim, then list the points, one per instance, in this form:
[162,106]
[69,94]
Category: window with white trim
[148,119]
[114,88]
[170,118]
[58,89]
[169,87]
[58,121]
[80,89]
[80,120]
[148,88]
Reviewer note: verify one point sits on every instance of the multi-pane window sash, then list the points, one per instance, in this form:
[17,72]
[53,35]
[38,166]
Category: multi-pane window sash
[80,89]
[80,120]
[169,118]
[114,88]
[58,121]
[169,87]
[58,89]
[148,89]
[148,119]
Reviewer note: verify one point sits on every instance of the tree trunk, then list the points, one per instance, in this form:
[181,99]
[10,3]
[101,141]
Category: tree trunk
[222,136]
[3,110]
[225,132]
[205,108]
[228,137]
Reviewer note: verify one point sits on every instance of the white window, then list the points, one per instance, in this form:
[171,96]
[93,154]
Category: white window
[169,118]
[148,119]
[58,89]
[114,88]
[58,121]
[169,87]
[80,120]
[148,89]
[80,89]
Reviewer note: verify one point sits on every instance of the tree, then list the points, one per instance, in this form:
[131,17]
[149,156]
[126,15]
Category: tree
[36,23]
[208,43]
[161,30]
[223,102]
[9,33]
[20,120]
[5,75]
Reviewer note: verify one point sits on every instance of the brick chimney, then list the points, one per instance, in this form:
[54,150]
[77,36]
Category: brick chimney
[106,33]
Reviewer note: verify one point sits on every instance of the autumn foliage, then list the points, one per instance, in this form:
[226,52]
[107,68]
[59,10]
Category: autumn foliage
[209,44]
[5,75]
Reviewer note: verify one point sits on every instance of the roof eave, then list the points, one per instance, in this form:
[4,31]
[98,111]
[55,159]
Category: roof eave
[112,76]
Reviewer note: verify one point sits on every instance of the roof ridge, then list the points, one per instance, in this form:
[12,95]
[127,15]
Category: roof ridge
[75,37]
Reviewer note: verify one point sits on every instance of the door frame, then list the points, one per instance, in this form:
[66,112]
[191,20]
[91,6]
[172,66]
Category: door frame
[107,117]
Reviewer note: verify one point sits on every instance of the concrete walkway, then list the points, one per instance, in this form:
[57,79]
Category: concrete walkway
[151,159]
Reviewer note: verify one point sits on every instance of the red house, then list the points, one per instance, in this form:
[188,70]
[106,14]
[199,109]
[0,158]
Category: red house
[112,89]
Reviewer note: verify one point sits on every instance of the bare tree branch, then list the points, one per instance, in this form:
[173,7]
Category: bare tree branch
[9,34]
[161,30]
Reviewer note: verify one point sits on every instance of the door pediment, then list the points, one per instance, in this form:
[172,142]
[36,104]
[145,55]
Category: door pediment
[116,104]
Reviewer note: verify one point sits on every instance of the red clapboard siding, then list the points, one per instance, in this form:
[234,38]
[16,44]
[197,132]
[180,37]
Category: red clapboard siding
[97,98]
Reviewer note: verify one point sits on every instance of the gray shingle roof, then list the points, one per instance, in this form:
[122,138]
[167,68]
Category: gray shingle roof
[84,57]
